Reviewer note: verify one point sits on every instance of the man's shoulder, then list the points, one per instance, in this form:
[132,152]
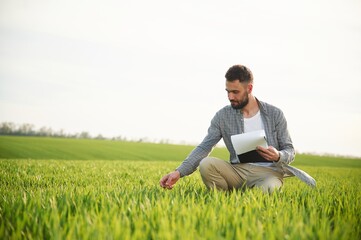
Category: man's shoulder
[269,108]
[268,105]
[225,113]
[226,110]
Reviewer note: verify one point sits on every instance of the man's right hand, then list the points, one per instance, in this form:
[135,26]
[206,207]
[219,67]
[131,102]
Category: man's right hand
[169,180]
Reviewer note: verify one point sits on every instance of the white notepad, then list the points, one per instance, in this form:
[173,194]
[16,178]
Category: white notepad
[247,142]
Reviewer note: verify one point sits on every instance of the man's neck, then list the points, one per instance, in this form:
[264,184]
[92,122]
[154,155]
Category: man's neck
[251,108]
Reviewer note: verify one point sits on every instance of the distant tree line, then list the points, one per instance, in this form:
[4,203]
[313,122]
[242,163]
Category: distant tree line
[27,129]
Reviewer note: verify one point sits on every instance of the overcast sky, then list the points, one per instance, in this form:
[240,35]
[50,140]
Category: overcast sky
[156,68]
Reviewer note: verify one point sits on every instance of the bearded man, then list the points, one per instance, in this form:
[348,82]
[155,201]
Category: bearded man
[267,167]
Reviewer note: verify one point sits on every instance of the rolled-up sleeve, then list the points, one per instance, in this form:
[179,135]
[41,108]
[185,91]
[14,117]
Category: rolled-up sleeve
[286,149]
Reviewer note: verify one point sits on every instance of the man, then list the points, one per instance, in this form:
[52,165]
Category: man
[245,114]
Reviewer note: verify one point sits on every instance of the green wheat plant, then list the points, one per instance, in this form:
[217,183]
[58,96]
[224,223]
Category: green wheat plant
[121,199]
[54,199]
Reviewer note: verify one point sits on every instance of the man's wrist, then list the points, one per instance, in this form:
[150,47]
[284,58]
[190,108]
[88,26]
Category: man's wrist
[179,172]
[279,156]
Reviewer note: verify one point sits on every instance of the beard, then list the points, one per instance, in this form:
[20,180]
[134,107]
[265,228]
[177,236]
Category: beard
[240,104]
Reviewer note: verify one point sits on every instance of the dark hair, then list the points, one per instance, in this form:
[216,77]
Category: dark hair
[239,72]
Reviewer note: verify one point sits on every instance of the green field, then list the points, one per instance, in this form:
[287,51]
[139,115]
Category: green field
[97,189]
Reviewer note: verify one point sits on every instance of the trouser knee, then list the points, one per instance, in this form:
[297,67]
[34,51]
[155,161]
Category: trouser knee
[210,174]
[206,166]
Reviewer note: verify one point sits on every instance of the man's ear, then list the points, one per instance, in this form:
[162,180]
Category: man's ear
[249,88]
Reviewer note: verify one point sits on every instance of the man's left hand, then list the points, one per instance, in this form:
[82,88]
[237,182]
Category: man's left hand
[270,153]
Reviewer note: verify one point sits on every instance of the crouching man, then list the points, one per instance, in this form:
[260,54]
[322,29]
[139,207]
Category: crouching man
[244,114]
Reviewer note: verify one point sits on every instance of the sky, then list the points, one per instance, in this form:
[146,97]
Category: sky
[155,69]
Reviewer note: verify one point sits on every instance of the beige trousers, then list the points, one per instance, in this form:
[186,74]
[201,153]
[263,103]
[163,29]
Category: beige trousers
[223,175]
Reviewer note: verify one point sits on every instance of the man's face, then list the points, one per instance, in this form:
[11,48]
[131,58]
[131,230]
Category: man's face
[237,94]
